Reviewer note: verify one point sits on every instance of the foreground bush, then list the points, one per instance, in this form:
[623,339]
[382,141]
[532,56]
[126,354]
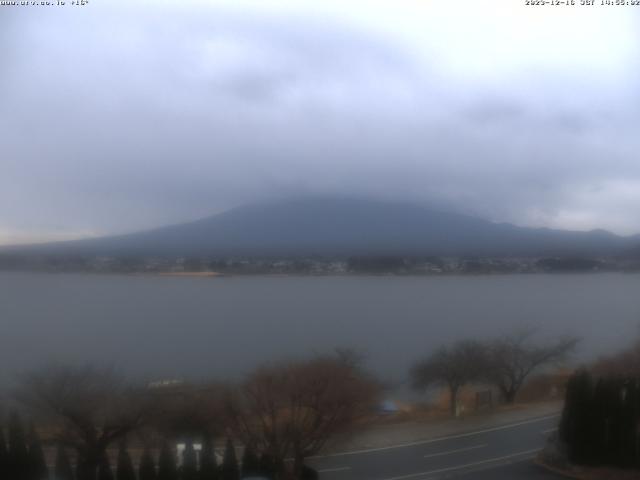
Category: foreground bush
[601,420]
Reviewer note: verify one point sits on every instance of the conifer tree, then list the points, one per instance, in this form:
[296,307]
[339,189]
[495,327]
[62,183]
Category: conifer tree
[62,470]
[167,464]
[250,462]
[575,424]
[599,425]
[84,471]
[189,470]
[600,422]
[18,464]
[610,452]
[147,468]
[617,422]
[308,473]
[635,420]
[4,456]
[229,469]
[37,464]
[268,466]
[124,468]
[104,469]
[628,424]
[208,466]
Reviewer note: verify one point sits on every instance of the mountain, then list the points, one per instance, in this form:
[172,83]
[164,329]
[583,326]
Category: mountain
[342,227]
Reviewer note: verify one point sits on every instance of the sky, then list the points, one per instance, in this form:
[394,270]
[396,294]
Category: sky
[119,116]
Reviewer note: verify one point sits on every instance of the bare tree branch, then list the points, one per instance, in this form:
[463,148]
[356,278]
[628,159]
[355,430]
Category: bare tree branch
[513,358]
[294,409]
[89,408]
[453,366]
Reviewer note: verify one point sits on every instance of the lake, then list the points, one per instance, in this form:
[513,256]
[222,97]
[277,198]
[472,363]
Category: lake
[222,327]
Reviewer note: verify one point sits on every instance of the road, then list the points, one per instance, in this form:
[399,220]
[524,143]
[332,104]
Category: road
[494,453]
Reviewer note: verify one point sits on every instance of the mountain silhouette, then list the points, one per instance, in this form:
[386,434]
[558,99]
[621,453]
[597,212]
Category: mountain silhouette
[342,227]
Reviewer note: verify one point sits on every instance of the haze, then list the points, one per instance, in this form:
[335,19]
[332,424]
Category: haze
[120,116]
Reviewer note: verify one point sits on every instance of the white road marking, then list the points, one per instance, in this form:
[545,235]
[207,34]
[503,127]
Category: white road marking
[549,430]
[440,439]
[468,465]
[338,469]
[450,452]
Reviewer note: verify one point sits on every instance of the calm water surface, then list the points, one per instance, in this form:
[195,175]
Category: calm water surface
[168,326]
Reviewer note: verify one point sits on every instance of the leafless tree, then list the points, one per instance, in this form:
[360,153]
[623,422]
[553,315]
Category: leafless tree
[88,408]
[293,409]
[453,366]
[513,358]
[625,363]
[189,410]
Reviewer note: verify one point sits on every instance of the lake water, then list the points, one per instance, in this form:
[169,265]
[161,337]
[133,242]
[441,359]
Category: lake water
[222,327]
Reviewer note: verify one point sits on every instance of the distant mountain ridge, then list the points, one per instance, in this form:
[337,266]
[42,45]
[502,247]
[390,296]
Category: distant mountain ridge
[342,227]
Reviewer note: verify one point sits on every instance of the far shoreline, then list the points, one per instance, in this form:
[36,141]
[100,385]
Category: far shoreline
[209,274]
[186,274]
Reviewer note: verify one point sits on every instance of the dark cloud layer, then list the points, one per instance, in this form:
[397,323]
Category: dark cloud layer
[121,117]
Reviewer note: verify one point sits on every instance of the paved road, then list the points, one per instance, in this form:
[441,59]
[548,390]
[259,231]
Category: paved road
[495,453]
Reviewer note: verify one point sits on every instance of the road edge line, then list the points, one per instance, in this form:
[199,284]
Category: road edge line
[438,439]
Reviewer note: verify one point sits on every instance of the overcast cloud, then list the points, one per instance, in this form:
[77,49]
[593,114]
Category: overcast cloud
[120,116]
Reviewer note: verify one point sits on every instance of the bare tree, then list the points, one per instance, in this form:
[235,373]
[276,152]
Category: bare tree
[453,366]
[189,410]
[625,363]
[513,358]
[88,408]
[293,409]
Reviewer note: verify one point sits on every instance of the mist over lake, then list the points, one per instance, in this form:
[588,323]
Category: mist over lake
[161,327]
